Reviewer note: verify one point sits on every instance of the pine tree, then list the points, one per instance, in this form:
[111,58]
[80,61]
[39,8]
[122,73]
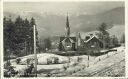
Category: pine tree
[103,34]
[6,34]
[9,37]
[18,36]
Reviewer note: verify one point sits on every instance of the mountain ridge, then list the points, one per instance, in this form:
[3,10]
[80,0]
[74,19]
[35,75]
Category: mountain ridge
[55,24]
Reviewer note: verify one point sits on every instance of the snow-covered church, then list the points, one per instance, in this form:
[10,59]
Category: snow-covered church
[67,42]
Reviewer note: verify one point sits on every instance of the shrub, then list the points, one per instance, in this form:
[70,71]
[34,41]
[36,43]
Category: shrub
[48,75]
[64,67]
[7,64]
[18,60]
[49,61]
[79,59]
[10,72]
[56,60]
[74,64]
[28,61]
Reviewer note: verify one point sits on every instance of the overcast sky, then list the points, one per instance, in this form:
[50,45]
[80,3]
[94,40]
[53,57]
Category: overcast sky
[74,8]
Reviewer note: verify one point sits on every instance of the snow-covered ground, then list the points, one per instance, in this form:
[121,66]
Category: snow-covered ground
[42,61]
[112,64]
[107,62]
[80,69]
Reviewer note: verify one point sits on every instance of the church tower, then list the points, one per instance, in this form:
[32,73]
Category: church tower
[67,27]
[67,43]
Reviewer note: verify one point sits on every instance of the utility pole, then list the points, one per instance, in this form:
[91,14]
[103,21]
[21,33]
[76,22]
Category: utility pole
[35,55]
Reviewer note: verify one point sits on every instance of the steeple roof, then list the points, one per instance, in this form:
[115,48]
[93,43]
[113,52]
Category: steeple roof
[67,27]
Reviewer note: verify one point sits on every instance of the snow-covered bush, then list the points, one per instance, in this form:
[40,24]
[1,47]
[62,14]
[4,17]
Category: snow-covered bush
[79,59]
[10,72]
[7,64]
[49,61]
[64,67]
[74,64]
[18,60]
[56,60]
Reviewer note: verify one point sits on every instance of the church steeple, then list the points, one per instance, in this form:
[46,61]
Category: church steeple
[67,27]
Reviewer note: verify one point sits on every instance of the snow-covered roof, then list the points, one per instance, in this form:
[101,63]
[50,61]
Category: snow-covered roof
[65,39]
[91,37]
